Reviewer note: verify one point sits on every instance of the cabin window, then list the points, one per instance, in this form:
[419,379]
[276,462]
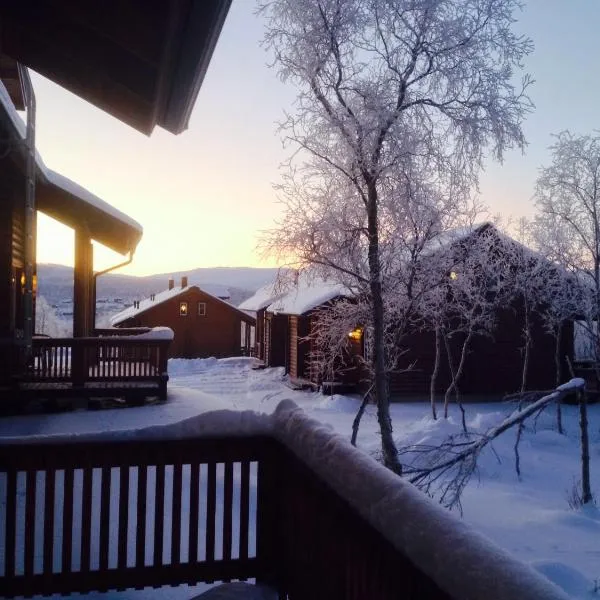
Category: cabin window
[201,309]
[183,309]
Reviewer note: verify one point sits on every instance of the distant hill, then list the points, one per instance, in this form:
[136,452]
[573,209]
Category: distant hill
[116,291]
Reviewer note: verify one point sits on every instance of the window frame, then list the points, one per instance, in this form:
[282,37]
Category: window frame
[184,312]
[203,313]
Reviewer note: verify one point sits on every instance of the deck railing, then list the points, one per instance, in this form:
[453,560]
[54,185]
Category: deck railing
[115,514]
[92,361]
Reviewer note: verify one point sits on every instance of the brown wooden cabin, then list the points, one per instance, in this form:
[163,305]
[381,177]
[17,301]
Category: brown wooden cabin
[204,325]
[346,375]
[271,330]
[144,63]
[493,365]
[494,362]
[288,321]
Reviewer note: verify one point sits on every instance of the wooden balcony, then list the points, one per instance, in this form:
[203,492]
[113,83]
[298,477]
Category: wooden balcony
[302,512]
[110,364]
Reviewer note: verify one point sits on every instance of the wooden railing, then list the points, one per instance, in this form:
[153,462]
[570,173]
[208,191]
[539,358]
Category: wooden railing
[111,514]
[95,360]
[98,516]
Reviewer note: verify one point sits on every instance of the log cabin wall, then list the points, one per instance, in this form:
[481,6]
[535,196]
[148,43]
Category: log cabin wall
[259,340]
[494,363]
[276,340]
[215,333]
[304,346]
[293,352]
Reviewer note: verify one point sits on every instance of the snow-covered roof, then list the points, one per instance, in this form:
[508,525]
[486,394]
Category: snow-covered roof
[303,298]
[71,203]
[161,297]
[447,238]
[264,296]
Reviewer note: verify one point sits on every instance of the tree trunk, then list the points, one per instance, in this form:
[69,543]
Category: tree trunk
[456,375]
[586,490]
[388,447]
[527,335]
[359,414]
[436,369]
[558,369]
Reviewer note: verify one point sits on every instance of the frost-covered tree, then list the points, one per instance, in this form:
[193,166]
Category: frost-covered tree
[567,225]
[47,321]
[394,96]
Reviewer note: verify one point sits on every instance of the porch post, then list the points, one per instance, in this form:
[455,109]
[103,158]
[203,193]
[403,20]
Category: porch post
[82,285]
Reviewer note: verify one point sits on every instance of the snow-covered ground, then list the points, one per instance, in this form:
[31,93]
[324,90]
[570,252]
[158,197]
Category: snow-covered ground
[530,518]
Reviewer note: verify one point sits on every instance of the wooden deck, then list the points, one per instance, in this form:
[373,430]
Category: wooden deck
[101,366]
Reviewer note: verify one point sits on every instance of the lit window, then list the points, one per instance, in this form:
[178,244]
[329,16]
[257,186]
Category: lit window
[183,309]
[201,309]
[356,334]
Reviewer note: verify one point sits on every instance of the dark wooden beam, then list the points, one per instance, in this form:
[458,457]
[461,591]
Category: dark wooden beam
[82,284]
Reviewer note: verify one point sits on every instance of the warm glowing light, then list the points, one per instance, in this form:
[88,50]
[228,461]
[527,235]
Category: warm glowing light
[183,309]
[356,334]
[22,279]
[453,275]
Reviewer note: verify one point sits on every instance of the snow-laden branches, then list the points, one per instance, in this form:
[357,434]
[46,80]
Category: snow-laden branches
[397,101]
[446,469]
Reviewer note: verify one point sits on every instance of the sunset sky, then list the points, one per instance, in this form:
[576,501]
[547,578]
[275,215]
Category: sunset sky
[204,196]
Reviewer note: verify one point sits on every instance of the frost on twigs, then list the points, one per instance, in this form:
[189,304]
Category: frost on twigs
[397,103]
[443,471]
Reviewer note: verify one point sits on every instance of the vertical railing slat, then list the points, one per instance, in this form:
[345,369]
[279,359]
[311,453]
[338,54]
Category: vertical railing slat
[140,536]
[211,504]
[49,488]
[227,510]
[123,516]
[194,512]
[176,516]
[86,519]
[104,517]
[67,524]
[244,508]
[31,483]
[159,510]
[10,533]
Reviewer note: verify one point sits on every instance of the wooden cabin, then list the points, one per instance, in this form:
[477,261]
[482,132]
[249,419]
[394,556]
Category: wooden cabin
[493,364]
[142,62]
[284,324]
[494,361]
[271,330]
[204,324]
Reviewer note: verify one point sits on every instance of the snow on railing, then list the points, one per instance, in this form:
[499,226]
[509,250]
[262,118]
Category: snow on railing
[461,561]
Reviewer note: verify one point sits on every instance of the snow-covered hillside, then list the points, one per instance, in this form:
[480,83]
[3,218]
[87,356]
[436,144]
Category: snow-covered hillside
[116,292]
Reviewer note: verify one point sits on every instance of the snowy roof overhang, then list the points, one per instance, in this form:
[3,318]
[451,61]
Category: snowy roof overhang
[63,199]
[142,62]
[164,296]
[263,297]
[303,299]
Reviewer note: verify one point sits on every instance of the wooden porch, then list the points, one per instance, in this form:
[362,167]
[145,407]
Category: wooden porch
[278,500]
[110,364]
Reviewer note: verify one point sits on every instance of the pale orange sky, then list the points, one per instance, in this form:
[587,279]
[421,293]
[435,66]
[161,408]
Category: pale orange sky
[204,196]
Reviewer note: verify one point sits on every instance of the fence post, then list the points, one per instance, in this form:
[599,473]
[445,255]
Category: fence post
[268,547]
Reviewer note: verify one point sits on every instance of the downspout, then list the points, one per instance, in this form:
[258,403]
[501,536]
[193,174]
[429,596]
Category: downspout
[104,272]
[30,214]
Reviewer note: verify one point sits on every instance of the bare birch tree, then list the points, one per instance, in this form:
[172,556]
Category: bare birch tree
[568,222]
[392,94]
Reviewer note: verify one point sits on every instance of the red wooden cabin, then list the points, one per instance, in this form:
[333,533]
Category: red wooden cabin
[204,325]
